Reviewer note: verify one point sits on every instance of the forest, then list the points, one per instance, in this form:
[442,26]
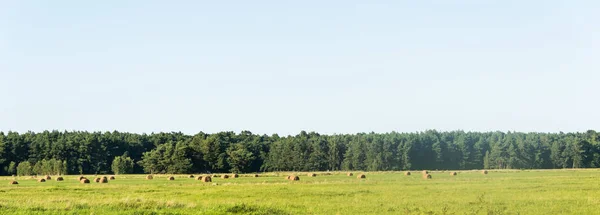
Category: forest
[81,152]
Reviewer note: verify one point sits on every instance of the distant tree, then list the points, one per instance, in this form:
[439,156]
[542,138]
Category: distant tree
[486,160]
[122,165]
[239,158]
[24,168]
[12,168]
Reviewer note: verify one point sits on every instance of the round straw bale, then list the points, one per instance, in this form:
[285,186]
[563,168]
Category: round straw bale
[199,178]
[84,181]
[80,177]
[206,179]
[425,172]
[41,180]
[104,180]
[256,175]
[288,177]
[112,177]
[485,172]
[60,178]
[406,173]
[349,174]
[171,178]
[294,178]
[235,175]
[191,176]
[361,176]
[47,177]
[149,177]
[97,180]
[312,175]
[427,176]
[452,173]
[13,182]
[224,176]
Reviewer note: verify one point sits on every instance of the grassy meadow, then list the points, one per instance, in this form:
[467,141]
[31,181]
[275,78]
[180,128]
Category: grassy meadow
[469,192]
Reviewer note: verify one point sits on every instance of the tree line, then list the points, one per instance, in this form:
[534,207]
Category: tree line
[80,152]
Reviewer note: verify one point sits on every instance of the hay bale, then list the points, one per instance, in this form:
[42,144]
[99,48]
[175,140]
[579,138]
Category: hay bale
[312,175]
[407,173]
[80,178]
[104,180]
[224,176]
[288,177]
[13,182]
[349,174]
[235,175]
[149,177]
[84,181]
[41,180]
[112,177]
[97,180]
[59,178]
[256,175]
[361,176]
[425,172]
[485,172]
[294,178]
[427,176]
[206,179]
[453,173]
[191,176]
[47,177]
[171,178]
[199,178]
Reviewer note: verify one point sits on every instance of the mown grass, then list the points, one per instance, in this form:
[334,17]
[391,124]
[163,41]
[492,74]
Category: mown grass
[470,192]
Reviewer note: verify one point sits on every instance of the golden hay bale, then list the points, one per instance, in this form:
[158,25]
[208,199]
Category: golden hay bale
[13,182]
[84,181]
[235,175]
[361,176]
[104,177]
[112,177]
[104,180]
[256,175]
[425,172]
[47,177]
[312,175]
[427,176]
[206,179]
[349,174]
[97,180]
[288,177]
[407,173]
[453,173]
[149,177]
[199,178]
[80,177]
[485,172]
[224,176]
[59,178]
[41,180]
[191,176]
[294,178]
[171,178]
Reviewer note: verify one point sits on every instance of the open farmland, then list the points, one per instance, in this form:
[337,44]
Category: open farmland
[469,192]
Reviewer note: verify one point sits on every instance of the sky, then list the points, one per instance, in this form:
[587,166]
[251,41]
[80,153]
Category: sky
[337,66]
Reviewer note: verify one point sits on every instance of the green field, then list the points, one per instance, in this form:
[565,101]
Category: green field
[470,192]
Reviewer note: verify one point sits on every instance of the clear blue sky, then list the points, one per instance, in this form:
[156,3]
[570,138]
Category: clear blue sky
[280,67]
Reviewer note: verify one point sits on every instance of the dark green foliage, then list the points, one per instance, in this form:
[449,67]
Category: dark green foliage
[100,153]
